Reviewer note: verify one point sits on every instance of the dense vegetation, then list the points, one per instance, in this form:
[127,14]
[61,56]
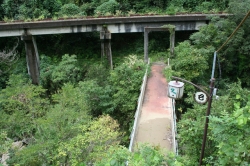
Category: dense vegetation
[82,112]
[42,9]
[228,142]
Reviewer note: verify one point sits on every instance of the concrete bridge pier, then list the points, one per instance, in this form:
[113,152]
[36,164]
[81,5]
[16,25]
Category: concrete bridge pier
[32,57]
[106,52]
[147,30]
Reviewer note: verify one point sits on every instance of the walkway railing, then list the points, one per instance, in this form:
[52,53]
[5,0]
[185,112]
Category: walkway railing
[138,110]
[174,128]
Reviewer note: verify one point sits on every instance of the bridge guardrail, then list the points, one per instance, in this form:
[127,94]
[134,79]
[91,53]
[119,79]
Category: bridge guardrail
[174,128]
[138,110]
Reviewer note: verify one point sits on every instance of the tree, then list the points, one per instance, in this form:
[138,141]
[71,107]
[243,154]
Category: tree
[59,123]
[7,58]
[230,128]
[33,9]
[69,10]
[145,154]
[91,143]
[21,104]
[107,7]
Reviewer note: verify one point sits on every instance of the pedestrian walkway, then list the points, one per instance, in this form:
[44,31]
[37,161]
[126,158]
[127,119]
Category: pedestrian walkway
[154,125]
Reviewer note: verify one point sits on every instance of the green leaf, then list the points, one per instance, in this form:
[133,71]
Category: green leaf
[113,162]
[238,96]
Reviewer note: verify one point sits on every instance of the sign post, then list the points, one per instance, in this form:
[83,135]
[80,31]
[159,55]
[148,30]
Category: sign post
[200,97]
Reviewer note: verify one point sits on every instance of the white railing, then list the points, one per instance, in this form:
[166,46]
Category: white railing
[138,110]
[174,129]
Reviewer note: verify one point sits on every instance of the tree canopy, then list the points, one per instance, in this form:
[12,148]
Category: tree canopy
[82,112]
[42,9]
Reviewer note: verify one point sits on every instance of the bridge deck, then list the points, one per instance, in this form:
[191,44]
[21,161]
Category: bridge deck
[131,24]
[154,124]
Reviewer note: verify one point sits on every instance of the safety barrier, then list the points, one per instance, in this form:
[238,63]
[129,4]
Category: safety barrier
[174,129]
[138,110]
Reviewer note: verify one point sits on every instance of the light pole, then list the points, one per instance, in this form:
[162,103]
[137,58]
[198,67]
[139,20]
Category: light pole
[174,87]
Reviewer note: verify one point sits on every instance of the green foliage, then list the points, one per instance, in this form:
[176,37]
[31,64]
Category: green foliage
[55,75]
[144,155]
[115,156]
[69,10]
[99,98]
[23,10]
[190,132]
[58,125]
[205,7]
[107,7]
[213,35]
[230,131]
[87,8]
[66,71]
[147,155]
[238,9]
[190,63]
[172,9]
[233,56]
[126,80]
[38,9]
[97,72]
[118,92]
[200,5]
[91,143]
[10,8]
[52,6]
[5,143]
[21,104]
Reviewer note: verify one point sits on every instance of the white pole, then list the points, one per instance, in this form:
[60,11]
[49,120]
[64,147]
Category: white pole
[212,76]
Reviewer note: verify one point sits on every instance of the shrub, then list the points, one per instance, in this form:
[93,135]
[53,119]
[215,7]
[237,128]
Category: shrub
[69,10]
[107,7]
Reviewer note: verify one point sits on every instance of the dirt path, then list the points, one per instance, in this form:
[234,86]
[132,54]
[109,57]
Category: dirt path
[154,124]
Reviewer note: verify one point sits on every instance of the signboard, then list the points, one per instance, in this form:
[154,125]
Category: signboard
[175,89]
[200,97]
[173,92]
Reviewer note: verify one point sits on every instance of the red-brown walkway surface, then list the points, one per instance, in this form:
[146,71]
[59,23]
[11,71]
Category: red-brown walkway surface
[154,125]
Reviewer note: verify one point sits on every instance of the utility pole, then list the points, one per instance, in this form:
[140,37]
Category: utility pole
[207,120]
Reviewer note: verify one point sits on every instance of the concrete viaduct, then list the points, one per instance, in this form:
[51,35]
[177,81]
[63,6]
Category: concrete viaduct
[106,26]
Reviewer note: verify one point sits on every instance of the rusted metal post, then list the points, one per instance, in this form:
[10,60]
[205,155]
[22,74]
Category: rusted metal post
[32,58]
[207,120]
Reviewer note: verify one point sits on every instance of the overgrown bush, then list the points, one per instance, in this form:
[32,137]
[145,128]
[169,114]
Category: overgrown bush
[107,7]
[69,10]
[24,10]
[21,103]
[145,154]
[54,75]
[91,142]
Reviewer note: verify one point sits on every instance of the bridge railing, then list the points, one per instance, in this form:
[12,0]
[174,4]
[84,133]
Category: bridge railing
[174,128]
[138,110]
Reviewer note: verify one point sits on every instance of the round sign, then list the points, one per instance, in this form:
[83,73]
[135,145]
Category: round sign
[200,97]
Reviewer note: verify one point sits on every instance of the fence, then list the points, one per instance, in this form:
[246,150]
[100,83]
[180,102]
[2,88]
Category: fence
[174,129]
[138,110]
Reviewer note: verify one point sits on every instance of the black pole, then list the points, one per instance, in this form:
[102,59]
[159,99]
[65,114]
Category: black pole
[207,120]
